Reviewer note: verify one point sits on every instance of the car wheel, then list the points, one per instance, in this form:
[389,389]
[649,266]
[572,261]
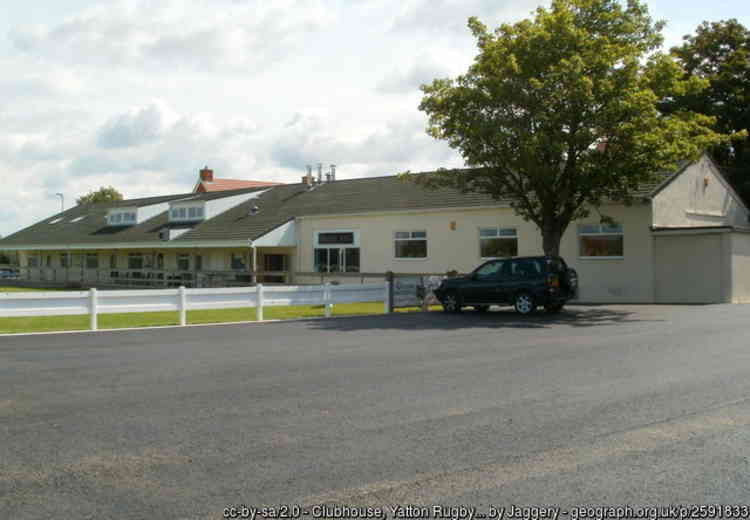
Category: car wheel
[524,303]
[481,308]
[553,308]
[450,302]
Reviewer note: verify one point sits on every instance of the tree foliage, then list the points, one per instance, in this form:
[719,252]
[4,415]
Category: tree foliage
[103,194]
[719,52]
[540,96]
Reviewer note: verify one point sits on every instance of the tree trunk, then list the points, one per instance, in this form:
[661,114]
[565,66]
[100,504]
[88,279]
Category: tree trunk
[551,236]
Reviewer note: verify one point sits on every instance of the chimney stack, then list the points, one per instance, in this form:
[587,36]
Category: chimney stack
[206,175]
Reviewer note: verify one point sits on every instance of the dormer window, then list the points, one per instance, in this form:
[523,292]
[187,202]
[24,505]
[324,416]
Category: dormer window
[186,213]
[121,218]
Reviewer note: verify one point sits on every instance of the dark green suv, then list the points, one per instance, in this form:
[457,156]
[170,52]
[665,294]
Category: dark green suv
[524,282]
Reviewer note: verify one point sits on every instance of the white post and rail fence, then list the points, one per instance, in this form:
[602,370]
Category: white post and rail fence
[181,300]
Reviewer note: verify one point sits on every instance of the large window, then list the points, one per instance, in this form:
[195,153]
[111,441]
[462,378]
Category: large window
[135,260]
[183,262]
[32,261]
[601,241]
[497,242]
[237,262]
[92,261]
[64,260]
[410,244]
[336,252]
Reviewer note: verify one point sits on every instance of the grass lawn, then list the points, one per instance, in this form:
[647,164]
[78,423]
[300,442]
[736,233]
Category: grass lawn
[152,319]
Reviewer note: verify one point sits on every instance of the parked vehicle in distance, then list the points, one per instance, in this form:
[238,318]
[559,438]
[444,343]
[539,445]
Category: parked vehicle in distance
[8,274]
[524,282]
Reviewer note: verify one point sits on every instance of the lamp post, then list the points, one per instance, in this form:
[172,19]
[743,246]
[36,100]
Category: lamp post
[62,201]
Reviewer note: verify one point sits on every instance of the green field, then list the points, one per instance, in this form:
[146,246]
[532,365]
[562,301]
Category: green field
[155,319]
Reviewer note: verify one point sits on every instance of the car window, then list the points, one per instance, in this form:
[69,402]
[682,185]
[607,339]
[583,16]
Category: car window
[490,270]
[526,268]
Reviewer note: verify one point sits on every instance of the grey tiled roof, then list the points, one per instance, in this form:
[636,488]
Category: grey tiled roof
[277,205]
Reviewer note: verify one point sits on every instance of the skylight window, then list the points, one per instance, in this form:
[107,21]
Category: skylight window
[56,220]
[78,219]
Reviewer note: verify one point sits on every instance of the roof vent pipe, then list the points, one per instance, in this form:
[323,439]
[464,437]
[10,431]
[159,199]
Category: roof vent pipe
[333,172]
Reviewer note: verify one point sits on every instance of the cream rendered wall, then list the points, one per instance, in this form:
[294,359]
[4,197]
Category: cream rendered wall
[602,280]
[629,279]
[698,197]
[740,267]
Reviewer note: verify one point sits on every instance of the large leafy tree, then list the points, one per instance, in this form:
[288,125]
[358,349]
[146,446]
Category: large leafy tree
[559,113]
[719,52]
[103,194]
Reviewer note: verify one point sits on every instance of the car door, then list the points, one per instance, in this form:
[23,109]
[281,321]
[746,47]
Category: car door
[482,286]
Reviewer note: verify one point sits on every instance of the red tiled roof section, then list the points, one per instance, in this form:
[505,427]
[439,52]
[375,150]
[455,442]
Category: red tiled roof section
[231,184]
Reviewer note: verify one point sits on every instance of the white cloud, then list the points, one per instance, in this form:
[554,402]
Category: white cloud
[451,16]
[408,81]
[207,36]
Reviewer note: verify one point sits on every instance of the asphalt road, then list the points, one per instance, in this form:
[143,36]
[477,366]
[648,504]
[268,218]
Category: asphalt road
[599,406]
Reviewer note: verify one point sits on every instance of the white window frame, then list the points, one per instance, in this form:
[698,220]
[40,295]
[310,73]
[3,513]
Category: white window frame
[604,230]
[341,247]
[411,238]
[497,230]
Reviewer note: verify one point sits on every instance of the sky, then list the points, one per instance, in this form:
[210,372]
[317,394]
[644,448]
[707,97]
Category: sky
[141,95]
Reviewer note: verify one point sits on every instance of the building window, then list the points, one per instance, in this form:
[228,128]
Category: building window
[336,252]
[601,241]
[32,261]
[49,260]
[113,261]
[198,262]
[497,242]
[121,218]
[186,213]
[183,262]
[135,260]
[237,262]
[64,260]
[410,244]
[160,261]
[92,261]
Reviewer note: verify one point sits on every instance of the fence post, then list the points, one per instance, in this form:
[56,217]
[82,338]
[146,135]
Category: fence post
[389,292]
[259,302]
[327,299]
[182,305]
[93,309]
